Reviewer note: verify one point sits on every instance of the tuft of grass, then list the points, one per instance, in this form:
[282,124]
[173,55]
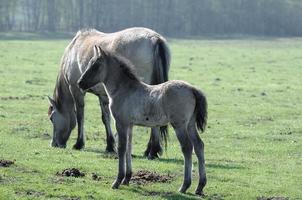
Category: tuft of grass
[252,141]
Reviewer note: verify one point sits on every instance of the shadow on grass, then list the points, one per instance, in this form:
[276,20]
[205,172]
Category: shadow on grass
[167,160]
[172,195]
[163,194]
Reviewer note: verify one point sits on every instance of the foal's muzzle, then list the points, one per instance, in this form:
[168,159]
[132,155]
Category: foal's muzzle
[82,85]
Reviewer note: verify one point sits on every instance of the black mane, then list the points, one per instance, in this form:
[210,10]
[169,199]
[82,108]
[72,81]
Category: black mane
[126,66]
[58,91]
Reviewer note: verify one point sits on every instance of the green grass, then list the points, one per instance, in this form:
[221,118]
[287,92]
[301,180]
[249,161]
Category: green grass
[253,143]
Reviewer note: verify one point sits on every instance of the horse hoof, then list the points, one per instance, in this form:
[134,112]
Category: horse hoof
[152,156]
[78,146]
[110,150]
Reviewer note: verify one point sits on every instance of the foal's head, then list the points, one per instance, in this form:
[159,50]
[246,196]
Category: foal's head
[96,69]
[104,64]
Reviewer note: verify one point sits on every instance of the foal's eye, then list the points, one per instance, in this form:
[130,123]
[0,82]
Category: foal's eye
[51,119]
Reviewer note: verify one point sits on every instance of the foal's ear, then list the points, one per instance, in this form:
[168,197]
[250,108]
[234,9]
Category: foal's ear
[102,52]
[51,101]
[98,51]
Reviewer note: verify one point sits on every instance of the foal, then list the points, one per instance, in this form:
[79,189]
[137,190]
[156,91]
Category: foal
[133,102]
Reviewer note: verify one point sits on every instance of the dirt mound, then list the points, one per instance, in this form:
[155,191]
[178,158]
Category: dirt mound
[96,177]
[272,198]
[143,177]
[6,163]
[71,172]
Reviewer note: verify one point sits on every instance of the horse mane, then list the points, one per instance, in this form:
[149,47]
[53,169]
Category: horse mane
[86,32]
[59,90]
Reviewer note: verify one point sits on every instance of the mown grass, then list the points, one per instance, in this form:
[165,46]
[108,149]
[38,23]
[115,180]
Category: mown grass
[253,143]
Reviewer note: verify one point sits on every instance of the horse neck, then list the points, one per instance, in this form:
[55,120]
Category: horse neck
[62,95]
[117,81]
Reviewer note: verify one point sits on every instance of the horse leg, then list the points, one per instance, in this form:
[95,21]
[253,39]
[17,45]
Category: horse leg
[104,103]
[187,148]
[154,148]
[78,98]
[122,131]
[199,151]
[128,158]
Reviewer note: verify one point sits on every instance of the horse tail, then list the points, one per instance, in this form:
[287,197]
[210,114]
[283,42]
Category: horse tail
[161,65]
[161,61]
[201,113]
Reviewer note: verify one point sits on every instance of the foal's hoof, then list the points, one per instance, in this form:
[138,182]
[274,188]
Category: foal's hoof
[199,193]
[184,188]
[125,182]
[115,185]
[78,146]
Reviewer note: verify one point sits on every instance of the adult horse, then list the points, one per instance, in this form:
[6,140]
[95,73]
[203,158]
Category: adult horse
[144,47]
[133,102]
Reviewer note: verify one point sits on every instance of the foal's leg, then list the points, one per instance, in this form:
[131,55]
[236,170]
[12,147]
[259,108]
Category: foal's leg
[104,103]
[186,147]
[122,147]
[128,158]
[78,98]
[154,148]
[199,151]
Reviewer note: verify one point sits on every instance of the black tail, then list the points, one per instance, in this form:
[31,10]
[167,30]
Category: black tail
[164,135]
[201,110]
[161,64]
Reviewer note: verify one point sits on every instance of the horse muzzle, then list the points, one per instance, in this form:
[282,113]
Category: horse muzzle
[55,144]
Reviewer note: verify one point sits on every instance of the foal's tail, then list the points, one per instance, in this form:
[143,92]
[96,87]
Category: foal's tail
[201,109]
[161,64]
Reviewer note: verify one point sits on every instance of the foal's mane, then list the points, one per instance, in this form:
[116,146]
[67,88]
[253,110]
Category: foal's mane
[124,64]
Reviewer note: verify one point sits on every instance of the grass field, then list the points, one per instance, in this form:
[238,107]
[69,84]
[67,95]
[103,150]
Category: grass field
[253,142]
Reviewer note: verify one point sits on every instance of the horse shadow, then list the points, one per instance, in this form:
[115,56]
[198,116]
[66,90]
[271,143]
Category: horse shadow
[172,195]
[224,165]
[164,195]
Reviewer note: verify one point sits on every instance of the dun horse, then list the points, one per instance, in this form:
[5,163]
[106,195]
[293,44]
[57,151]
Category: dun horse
[144,47]
[133,102]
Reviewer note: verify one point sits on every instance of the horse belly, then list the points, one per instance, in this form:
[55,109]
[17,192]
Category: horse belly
[151,120]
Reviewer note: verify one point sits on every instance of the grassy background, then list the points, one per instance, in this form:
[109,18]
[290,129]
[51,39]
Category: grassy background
[253,141]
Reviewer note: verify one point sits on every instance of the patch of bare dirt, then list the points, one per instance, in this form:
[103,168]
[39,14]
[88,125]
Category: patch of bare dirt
[6,163]
[96,177]
[30,193]
[143,177]
[272,198]
[71,172]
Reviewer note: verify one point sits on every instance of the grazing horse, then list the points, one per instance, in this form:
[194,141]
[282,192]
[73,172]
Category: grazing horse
[133,102]
[144,47]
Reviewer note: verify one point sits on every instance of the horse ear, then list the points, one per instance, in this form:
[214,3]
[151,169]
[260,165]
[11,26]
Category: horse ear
[51,101]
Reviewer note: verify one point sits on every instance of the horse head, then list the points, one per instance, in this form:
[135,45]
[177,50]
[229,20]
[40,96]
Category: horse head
[62,124]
